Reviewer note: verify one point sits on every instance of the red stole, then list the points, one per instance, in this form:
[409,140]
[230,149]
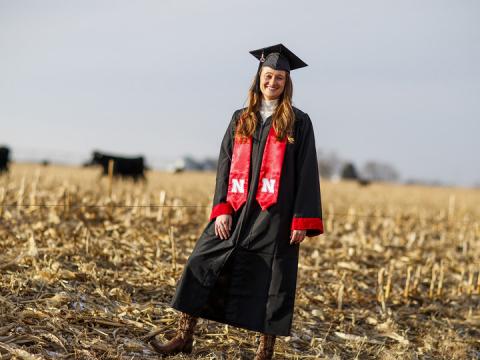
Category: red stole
[270,171]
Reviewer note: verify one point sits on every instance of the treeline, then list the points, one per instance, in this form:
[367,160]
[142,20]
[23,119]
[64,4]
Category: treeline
[333,167]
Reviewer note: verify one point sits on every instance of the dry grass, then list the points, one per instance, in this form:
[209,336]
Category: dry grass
[396,276]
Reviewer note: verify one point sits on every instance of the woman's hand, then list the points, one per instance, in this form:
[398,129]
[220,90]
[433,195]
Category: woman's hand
[297,236]
[223,225]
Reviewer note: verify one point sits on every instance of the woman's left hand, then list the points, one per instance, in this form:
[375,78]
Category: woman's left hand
[297,236]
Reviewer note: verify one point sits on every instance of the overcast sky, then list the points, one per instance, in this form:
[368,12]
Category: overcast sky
[392,81]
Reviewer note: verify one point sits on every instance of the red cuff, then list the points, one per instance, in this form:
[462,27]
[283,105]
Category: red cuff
[221,209]
[314,226]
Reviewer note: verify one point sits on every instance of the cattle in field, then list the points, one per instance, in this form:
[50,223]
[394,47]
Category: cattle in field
[133,167]
[4,158]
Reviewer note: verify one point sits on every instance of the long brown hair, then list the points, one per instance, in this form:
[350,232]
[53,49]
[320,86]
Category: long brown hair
[283,116]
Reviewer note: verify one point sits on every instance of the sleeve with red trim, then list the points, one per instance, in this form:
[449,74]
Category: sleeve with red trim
[220,205]
[308,207]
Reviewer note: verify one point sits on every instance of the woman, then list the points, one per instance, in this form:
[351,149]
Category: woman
[243,269]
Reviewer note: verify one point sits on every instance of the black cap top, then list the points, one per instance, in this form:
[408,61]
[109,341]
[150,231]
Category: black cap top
[278,57]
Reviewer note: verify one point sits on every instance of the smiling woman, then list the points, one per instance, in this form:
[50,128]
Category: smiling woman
[272,82]
[243,269]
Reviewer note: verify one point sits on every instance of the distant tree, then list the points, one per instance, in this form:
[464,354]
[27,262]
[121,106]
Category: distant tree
[377,171]
[349,172]
[329,164]
[210,164]
[190,163]
[425,182]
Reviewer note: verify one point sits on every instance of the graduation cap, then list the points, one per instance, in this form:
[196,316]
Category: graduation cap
[278,57]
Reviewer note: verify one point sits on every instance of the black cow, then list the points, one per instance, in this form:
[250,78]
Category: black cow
[4,158]
[133,167]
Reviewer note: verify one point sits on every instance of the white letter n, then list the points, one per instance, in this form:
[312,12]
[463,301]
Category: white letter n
[268,185]
[238,185]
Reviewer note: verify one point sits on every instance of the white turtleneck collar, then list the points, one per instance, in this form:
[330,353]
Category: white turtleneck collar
[267,108]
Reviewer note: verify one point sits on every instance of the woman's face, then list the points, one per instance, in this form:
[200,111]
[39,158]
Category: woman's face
[272,82]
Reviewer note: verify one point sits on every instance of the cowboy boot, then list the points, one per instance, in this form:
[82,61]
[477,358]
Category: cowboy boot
[265,349]
[183,340]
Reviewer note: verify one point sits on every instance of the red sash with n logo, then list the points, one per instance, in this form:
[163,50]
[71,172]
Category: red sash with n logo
[270,171]
[239,168]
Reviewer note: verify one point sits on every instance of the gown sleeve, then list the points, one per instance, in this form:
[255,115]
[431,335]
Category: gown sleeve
[307,207]
[220,204]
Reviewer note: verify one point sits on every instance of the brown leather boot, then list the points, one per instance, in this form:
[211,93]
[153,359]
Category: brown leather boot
[183,340]
[265,349]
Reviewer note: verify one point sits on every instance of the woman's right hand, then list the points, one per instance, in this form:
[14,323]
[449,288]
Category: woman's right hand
[223,225]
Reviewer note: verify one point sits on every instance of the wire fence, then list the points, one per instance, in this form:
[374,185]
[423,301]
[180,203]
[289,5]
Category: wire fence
[352,214]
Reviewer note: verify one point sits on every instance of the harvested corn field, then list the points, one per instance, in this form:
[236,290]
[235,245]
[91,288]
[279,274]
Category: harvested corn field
[88,268]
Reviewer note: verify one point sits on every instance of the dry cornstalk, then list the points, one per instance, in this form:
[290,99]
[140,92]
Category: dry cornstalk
[2,199]
[433,280]
[407,282]
[161,204]
[421,239]
[388,286]
[21,191]
[111,163]
[478,282]
[440,279]
[380,292]
[179,211]
[86,236]
[351,217]
[460,283]
[330,219]
[146,205]
[174,253]
[471,285]
[66,201]
[14,350]
[380,284]
[465,247]
[411,239]
[340,293]
[416,278]
[33,194]
[135,206]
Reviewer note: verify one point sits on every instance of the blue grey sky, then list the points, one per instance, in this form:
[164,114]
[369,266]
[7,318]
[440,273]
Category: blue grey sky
[392,81]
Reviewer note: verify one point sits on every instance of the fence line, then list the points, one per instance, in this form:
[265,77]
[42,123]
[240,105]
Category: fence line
[100,206]
[71,206]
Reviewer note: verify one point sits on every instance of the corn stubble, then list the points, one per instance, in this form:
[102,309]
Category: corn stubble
[395,276]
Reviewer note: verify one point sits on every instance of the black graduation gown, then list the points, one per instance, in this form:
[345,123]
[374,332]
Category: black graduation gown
[249,280]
